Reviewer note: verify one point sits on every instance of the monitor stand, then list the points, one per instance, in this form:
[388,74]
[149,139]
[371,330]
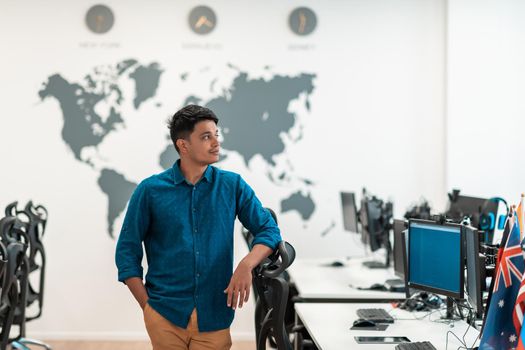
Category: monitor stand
[450,310]
[395,285]
[379,264]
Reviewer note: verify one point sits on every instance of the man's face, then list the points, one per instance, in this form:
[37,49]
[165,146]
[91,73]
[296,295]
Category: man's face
[203,145]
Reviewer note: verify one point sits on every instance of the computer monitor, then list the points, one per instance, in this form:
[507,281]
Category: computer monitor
[398,253]
[460,206]
[435,258]
[375,217]
[371,228]
[399,245]
[349,211]
[474,291]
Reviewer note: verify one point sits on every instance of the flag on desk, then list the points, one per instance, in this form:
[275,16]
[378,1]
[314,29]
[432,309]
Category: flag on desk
[500,330]
[519,309]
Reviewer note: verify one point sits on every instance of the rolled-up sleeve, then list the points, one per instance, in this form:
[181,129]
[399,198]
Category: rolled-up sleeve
[128,255]
[255,217]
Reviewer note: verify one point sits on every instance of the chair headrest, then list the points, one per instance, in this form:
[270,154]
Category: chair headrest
[281,259]
[10,209]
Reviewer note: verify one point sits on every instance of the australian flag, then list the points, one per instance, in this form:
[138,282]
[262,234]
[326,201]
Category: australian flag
[500,332]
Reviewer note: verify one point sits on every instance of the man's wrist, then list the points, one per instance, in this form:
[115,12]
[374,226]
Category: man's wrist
[248,263]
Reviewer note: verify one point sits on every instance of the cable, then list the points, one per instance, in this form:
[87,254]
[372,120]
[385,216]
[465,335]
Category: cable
[463,340]
[446,340]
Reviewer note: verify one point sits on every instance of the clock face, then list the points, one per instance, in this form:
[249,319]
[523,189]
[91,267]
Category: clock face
[202,20]
[100,19]
[302,21]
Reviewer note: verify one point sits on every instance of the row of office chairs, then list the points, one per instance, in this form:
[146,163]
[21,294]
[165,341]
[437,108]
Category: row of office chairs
[22,272]
[273,294]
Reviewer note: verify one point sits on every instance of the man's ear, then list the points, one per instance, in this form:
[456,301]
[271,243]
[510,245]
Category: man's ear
[182,145]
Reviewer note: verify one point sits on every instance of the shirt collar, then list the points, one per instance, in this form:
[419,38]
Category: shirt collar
[208,174]
[179,178]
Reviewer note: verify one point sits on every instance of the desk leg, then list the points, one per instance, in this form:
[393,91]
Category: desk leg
[302,339]
[297,333]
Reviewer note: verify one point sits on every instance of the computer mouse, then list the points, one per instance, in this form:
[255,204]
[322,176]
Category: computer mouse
[364,323]
[337,264]
[377,286]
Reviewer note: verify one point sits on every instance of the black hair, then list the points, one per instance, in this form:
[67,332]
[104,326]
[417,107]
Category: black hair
[183,122]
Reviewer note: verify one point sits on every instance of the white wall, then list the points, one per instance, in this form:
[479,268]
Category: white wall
[486,105]
[376,120]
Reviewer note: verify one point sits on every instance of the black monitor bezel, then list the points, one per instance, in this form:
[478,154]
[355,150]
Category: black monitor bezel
[461,266]
[404,234]
[477,303]
[399,237]
[363,218]
[344,196]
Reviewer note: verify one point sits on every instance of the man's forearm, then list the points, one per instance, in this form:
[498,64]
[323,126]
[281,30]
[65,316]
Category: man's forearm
[258,253]
[138,290]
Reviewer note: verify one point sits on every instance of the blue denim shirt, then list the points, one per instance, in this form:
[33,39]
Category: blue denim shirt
[187,231]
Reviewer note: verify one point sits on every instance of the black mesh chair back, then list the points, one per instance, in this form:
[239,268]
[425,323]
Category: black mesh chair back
[14,230]
[35,218]
[6,310]
[36,229]
[37,225]
[273,292]
[11,209]
[14,291]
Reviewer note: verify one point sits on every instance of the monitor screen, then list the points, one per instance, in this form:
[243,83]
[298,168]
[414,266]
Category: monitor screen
[399,240]
[349,211]
[473,270]
[435,258]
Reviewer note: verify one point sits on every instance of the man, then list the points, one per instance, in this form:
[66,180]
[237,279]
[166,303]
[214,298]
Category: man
[185,218]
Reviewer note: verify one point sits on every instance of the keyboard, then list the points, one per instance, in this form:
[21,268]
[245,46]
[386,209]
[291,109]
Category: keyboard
[375,315]
[418,345]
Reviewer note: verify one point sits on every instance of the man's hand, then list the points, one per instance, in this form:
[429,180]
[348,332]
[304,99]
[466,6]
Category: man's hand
[138,290]
[239,288]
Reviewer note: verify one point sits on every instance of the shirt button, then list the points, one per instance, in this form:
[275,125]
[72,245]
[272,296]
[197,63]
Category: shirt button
[198,253]
[194,209]
[195,230]
[198,275]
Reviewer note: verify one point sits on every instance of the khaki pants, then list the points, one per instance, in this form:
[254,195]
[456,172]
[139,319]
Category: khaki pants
[165,335]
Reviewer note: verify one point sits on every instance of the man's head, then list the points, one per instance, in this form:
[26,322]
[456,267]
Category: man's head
[193,130]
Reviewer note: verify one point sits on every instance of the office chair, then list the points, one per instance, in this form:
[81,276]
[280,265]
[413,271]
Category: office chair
[13,301]
[273,292]
[34,219]
[292,291]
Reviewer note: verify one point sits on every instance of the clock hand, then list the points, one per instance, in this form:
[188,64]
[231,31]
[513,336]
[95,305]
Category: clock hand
[302,22]
[202,21]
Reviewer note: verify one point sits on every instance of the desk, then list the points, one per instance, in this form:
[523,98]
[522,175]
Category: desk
[317,282]
[329,326]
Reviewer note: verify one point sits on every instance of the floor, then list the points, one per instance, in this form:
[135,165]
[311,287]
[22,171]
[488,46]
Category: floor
[137,345]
